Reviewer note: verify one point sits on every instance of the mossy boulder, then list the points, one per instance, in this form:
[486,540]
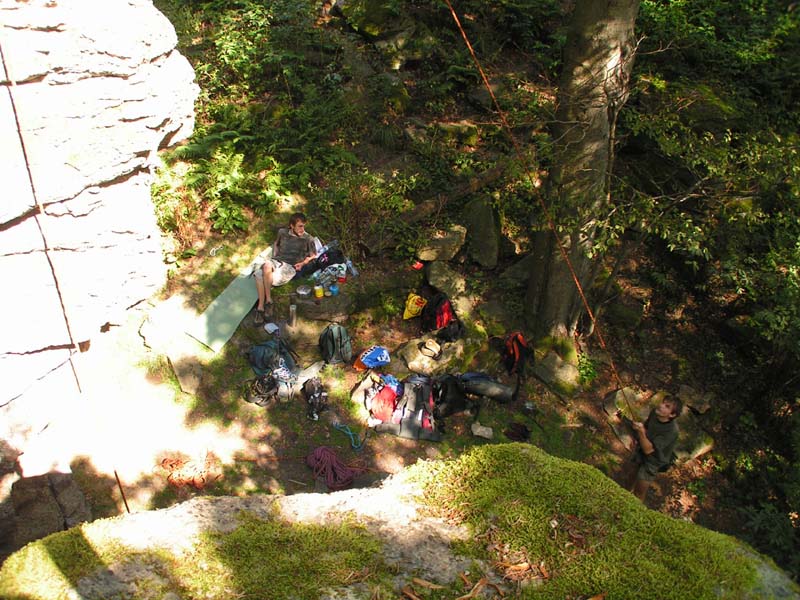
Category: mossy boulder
[561,376]
[624,316]
[583,535]
[528,522]
[462,132]
[443,245]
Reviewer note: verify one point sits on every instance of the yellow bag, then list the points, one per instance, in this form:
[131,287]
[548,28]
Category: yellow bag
[414,305]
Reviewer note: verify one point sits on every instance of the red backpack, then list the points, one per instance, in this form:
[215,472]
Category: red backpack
[515,352]
[382,405]
[437,313]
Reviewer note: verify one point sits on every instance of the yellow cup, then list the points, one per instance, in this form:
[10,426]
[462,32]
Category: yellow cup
[318,291]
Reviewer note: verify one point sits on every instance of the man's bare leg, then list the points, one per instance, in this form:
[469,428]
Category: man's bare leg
[267,287]
[261,294]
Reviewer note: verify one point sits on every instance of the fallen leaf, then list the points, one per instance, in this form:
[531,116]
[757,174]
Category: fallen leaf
[543,571]
[474,591]
[497,589]
[427,584]
[409,593]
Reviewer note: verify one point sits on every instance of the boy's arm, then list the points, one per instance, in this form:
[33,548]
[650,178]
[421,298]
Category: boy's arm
[311,254]
[644,442]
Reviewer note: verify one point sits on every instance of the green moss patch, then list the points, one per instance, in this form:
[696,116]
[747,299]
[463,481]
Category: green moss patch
[582,534]
[268,559]
[272,559]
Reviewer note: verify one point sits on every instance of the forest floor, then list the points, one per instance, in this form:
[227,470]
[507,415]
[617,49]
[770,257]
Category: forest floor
[576,428]
[255,450]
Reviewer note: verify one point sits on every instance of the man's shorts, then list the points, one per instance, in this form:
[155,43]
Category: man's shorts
[282,272]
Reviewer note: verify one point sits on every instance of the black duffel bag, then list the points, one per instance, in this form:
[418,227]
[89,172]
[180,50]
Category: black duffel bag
[482,384]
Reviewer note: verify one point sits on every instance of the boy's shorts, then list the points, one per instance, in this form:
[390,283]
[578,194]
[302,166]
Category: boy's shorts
[645,474]
[282,272]
[646,471]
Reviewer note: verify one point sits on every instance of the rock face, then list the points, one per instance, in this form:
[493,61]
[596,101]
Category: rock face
[91,90]
[45,504]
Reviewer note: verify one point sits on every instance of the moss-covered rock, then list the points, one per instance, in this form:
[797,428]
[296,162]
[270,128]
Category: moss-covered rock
[582,535]
[512,512]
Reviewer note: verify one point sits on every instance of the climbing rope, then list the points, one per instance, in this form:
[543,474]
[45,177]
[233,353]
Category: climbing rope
[337,475]
[551,225]
[354,441]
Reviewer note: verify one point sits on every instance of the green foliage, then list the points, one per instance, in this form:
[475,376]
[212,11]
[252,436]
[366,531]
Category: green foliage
[247,152]
[358,206]
[753,44]
[532,26]
[587,369]
[772,531]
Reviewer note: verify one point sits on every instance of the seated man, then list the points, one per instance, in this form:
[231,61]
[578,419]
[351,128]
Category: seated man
[657,438]
[293,254]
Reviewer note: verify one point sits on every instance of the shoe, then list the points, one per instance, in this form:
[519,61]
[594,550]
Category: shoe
[268,309]
[259,317]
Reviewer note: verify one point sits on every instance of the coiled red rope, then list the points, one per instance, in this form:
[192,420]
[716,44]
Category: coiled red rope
[337,475]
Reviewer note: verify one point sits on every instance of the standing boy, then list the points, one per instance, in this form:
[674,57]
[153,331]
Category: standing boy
[657,438]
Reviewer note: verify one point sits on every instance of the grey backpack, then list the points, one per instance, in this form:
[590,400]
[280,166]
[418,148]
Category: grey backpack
[335,344]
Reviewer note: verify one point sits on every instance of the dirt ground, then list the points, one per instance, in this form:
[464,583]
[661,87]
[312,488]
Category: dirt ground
[146,445]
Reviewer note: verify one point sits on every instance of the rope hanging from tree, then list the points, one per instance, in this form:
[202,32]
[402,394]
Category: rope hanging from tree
[337,475]
[523,160]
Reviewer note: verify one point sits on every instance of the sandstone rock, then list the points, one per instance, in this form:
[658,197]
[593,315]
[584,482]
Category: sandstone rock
[519,273]
[444,245]
[483,239]
[444,278]
[419,363]
[45,504]
[89,103]
[557,373]
[700,403]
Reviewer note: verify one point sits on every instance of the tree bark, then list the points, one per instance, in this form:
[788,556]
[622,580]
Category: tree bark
[594,85]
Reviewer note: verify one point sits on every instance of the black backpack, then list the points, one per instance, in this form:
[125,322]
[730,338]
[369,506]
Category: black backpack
[417,401]
[316,397]
[330,257]
[451,332]
[449,396]
[335,344]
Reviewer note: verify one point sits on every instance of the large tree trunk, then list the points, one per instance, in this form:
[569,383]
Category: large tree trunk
[594,85]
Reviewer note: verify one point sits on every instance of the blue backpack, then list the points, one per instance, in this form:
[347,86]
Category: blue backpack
[271,355]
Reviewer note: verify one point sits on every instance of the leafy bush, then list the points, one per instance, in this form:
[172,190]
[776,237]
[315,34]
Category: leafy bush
[358,206]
